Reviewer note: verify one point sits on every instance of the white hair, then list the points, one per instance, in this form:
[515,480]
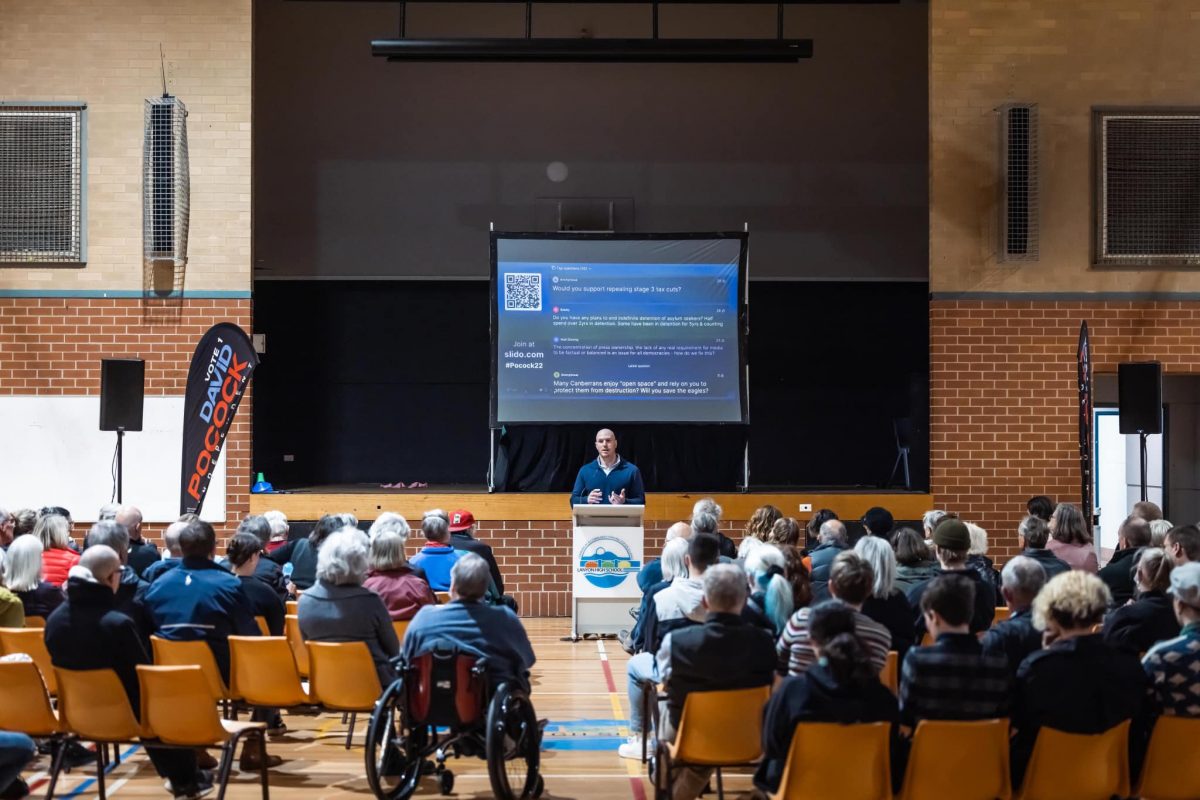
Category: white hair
[724,587]
[979,540]
[707,505]
[471,577]
[930,519]
[673,564]
[879,554]
[54,530]
[390,522]
[435,525]
[1158,531]
[766,570]
[342,558]
[108,511]
[24,564]
[278,522]
[1023,576]
[832,530]
[747,546]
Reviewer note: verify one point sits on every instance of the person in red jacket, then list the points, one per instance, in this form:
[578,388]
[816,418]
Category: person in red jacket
[402,586]
[58,557]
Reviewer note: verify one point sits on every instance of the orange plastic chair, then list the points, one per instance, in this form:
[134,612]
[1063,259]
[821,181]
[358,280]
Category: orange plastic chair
[92,705]
[963,760]
[344,678]
[442,597]
[291,629]
[1073,766]
[1002,614]
[1171,771]
[169,653]
[32,642]
[926,639]
[890,677]
[35,622]
[401,627]
[25,707]
[293,607]
[263,628]
[716,729]
[849,762]
[177,709]
[263,672]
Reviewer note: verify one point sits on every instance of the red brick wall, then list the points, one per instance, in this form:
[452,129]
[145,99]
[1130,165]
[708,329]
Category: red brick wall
[1004,396]
[53,346]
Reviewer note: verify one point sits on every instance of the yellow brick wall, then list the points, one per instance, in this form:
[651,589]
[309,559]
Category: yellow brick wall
[106,53]
[1067,56]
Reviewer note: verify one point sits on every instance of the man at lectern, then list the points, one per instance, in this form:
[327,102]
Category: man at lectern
[609,479]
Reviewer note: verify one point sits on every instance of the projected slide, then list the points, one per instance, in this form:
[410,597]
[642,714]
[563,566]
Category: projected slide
[629,330]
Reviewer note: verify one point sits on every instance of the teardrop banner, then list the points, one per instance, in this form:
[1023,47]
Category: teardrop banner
[217,379]
[1083,356]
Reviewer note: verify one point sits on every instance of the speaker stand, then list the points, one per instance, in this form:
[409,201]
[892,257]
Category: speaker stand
[120,458]
[1145,465]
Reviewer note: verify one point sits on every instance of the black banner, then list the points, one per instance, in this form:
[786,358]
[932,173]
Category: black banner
[1086,418]
[220,371]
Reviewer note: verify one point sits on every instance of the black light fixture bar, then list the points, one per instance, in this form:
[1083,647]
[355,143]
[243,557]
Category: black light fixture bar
[674,51]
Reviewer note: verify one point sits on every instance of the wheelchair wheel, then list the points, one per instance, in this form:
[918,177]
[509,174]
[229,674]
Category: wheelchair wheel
[392,752]
[513,745]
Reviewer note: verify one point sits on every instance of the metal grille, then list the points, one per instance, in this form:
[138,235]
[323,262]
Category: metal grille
[41,184]
[1148,211]
[165,195]
[1018,183]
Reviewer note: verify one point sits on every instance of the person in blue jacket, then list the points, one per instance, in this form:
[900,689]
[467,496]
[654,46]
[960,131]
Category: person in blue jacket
[609,479]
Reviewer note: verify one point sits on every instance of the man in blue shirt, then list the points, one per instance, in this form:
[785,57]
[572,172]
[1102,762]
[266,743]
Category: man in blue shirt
[438,555]
[608,479]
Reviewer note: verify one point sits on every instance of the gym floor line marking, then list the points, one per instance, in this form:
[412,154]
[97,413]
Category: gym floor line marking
[632,768]
[87,784]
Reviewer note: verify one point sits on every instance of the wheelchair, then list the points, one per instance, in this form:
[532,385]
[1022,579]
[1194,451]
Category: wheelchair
[441,706]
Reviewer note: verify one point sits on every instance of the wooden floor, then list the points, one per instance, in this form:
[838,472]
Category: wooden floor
[579,687]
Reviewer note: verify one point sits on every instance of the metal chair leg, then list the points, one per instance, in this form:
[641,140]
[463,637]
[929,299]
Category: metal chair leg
[350,732]
[262,754]
[56,762]
[227,753]
[100,770]
[720,786]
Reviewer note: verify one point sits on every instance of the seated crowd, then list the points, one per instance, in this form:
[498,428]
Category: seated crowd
[103,599]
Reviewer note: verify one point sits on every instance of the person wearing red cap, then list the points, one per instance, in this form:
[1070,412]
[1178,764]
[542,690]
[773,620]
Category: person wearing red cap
[462,525]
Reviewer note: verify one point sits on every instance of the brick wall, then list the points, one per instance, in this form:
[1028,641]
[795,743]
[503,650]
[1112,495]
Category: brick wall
[1004,408]
[53,346]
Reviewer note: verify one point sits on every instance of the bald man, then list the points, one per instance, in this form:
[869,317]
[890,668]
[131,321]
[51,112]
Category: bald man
[609,479]
[173,556]
[141,553]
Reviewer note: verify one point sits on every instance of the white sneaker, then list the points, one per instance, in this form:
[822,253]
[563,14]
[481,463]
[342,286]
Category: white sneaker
[633,748]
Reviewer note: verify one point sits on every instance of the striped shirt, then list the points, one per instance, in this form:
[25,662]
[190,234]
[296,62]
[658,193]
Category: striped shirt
[954,679]
[1173,667]
[794,648]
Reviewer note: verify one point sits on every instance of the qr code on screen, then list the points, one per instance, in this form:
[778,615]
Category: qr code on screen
[522,291]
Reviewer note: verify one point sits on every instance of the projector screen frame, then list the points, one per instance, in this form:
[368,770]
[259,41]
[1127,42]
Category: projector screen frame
[743,315]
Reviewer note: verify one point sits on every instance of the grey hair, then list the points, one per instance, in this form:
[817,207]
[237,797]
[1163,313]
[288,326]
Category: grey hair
[747,546]
[342,558]
[390,522]
[24,564]
[470,576]
[725,587]
[278,522]
[387,551]
[832,530]
[1035,531]
[707,505]
[882,558]
[1023,577]
[108,511]
[54,531]
[171,537]
[673,564]
[930,519]
[435,525]
[111,533]
[258,526]
[1158,531]
[705,522]
[2,560]
[979,540]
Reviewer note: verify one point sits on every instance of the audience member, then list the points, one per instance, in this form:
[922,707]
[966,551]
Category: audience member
[468,624]
[24,578]
[953,678]
[141,552]
[173,554]
[759,526]
[785,531]
[302,553]
[107,512]
[745,547]
[1117,574]
[878,521]
[24,521]
[244,552]
[462,529]
[1077,684]
[16,750]
[266,570]
[652,572]
[338,608]
[914,563]
[851,581]
[887,605]
[129,599]
[89,632]
[977,557]
[1158,532]
[841,686]
[1041,507]
[1183,544]
[437,556]
[706,518]
[1173,666]
[12,610]
[279,530]
[930,520]
[1150,617]
[797,574]
[770,603]
[951,542]
[8,522]
[673,565]
[721,654]
[1070,539]
[678,605]
[832,540]
[1035,535]
[397,582]
[812,528]
[1147,510]
[1016,638]
[58,554]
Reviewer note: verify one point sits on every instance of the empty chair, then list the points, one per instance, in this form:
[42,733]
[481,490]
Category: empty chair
[890,676]
[25,708]
[291,628]
[343,678]
[1075,766]
[716,729]
[170,653]
[177,709]
[963,760]
[92,704]
[847,762]
[32,642]
[1171,771]
[263,672]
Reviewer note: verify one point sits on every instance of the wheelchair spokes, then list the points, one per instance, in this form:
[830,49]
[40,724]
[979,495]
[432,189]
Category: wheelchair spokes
[393,748]
[513,746]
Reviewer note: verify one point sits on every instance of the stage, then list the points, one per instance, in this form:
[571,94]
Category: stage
[530,532]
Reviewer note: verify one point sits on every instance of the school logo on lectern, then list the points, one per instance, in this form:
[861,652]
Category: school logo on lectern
[605,561]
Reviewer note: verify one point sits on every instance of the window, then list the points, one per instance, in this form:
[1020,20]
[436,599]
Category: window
[42,183]
[1148,186]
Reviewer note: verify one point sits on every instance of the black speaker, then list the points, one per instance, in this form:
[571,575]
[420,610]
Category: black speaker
[1139,387]
[122,385]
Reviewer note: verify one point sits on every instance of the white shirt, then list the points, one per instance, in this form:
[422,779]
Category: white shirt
[608,470]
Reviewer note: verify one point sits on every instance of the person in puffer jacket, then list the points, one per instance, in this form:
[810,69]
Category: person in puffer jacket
[58,556]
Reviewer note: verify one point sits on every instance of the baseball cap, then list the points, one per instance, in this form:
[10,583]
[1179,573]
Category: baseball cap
[878,521]
[461,520]
[952,534]
[1185,584]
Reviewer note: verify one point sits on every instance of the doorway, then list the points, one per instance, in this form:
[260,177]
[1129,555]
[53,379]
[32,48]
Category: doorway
[1118,475]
